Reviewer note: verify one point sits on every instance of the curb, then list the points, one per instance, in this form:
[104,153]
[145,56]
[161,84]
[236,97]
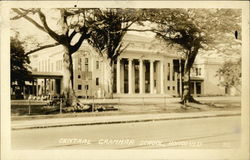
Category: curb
[21,127]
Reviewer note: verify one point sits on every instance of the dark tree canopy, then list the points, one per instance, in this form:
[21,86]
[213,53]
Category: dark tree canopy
[195,30]
[107,38]
[19,62]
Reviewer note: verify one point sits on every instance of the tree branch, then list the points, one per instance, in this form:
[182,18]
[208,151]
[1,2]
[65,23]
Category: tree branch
[75,47]
[72,35]
[63,20]
[29,19]
[42,47]
[19,15]
[54,35]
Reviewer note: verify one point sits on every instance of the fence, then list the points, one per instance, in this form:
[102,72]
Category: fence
[55,105]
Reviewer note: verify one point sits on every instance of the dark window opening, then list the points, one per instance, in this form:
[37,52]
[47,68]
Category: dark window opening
[97,81]
[79,87]
[87,87]
[97,64]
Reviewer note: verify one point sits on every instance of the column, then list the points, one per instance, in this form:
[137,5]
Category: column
[141,77]
[118,75]
[130,76]
[161,78]
[151,76]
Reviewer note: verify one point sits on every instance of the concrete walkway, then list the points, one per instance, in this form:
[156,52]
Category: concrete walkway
[59,122]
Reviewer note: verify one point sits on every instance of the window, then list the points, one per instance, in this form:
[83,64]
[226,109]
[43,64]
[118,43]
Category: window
[86,87]
[42,66]
[168,87]
[97,65]
[79,64]
[79,87]
[86,60]
[198,87]
[168,69]
[39,68]
[155,83]
[196,71]
[52,68]
[199,71]
[49,65]
[173,88]
[86,64]
[46,65]
[58,65]
[79,76]
[97,81]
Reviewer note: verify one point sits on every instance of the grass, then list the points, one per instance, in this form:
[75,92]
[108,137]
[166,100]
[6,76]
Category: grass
[19,112]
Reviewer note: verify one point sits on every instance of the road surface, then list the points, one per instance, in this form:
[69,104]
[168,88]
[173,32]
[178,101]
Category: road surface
[211,133]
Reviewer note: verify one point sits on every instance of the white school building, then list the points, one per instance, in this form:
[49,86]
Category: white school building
[146,68]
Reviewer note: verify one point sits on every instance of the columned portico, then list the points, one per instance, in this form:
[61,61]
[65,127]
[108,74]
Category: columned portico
[144,76]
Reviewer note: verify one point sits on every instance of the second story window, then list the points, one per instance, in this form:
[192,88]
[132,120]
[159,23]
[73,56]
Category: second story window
[97,65]
[86,64]
[79,64]
[86,87]
[97,81]
[79,87]
[196,71]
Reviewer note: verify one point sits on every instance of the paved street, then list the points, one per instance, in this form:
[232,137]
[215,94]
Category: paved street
[216,132]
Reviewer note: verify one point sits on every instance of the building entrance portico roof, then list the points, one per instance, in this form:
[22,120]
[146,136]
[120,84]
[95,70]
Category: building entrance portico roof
[49,75]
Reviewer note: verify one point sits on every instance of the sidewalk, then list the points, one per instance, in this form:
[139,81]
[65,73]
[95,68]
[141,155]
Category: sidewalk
[60,122]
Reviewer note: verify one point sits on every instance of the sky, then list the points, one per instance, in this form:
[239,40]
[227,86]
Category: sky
[33,37]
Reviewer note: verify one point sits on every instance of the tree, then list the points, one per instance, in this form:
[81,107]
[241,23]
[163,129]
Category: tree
[230,72]
[107,38]
[73,26]
[194,30]
[19,62]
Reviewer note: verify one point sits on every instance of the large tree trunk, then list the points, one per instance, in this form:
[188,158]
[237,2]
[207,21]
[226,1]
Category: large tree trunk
[67,81]
[108,78]
[186,96]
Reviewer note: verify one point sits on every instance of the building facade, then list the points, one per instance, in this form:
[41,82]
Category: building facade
[144,69]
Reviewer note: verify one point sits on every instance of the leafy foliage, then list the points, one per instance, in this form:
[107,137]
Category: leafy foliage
[230,72]
[195,29]
[19,62]
[107,38]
